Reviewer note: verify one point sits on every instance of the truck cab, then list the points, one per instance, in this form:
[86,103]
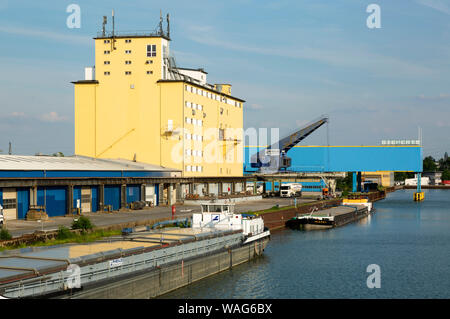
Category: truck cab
[291,190]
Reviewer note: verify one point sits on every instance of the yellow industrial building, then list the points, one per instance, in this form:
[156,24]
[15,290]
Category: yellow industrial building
[383,178]
[136,104]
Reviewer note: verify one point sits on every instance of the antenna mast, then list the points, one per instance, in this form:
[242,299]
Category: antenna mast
[168,26]
[105,20]
[160,23]
[113,23]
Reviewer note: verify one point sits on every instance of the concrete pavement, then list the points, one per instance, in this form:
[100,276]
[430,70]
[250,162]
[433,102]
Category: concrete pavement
[21,227]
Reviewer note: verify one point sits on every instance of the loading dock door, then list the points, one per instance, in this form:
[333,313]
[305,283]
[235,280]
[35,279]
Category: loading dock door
[133,193]
[54,199]
[77,197]
[150,195]
[23,202]
[94,197]
[86,199]
[112,196]
[9,203]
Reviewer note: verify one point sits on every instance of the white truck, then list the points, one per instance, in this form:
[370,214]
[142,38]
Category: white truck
[291,190]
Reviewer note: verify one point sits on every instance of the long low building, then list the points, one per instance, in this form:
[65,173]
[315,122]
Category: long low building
[62,185]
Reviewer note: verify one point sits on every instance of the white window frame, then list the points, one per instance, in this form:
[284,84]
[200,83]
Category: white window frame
[152,52]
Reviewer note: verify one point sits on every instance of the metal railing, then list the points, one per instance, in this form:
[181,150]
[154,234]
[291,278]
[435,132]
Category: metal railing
[149,33]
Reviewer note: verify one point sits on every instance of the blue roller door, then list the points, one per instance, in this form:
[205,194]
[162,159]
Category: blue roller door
[55,200]
[1,196]
[133,193]
[94,198]
[112,196]
[23,202]
[76,196]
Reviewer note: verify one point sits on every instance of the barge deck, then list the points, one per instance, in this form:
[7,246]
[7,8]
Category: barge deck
[329,218]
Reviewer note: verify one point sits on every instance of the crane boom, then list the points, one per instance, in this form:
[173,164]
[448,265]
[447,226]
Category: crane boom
[273,158]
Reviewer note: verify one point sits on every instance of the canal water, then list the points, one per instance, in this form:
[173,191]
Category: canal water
[409,241]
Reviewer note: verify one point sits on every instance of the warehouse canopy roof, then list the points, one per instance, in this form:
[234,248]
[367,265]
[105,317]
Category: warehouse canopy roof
[74,163]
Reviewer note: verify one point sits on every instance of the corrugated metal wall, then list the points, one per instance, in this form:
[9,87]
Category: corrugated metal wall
[133,193]
[23,202]
[112,196]
[349,158]
[54,199]
[76,196]
[94,198]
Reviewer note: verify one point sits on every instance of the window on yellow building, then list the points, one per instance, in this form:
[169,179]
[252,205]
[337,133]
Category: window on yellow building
[106,73]
[149,72]
[106,52]
[127,40]
[127,51]
[107,62]
[151,50]
[127,72]
[127,62]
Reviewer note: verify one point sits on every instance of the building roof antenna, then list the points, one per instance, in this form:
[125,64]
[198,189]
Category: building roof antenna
[105,21]
[113,23]
[168,26]
[160,23]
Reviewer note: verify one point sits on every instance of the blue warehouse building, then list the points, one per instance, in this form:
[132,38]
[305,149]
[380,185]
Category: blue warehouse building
[66,185]
[355,159]
[61,185]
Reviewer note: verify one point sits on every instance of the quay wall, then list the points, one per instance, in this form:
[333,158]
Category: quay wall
[166,278]
[427,187]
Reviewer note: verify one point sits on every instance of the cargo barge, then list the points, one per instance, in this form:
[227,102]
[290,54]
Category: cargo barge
[349,211]
[139,265]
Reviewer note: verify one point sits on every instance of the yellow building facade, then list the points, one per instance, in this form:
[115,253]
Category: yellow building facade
[383,178]
[137,105]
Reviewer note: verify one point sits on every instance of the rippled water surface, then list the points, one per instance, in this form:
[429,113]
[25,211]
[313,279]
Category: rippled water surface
[409,241]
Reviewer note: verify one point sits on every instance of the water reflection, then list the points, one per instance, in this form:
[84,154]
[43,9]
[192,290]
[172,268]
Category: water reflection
[409,241]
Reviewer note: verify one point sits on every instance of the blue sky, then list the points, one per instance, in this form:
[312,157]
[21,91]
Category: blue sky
[290,60]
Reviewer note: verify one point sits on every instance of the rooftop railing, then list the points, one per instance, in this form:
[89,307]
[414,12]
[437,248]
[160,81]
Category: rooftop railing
[142,33]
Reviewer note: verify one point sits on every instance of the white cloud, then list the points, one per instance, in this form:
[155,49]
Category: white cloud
[46,34]
[442,96]
[343,56]
[438,5]
[17,114]
[53,117]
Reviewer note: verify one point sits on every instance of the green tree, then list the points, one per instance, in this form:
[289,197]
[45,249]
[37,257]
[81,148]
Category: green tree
[83,223]
[446,175]
[401,176]
[345,184]
[58,154]
[429,164]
